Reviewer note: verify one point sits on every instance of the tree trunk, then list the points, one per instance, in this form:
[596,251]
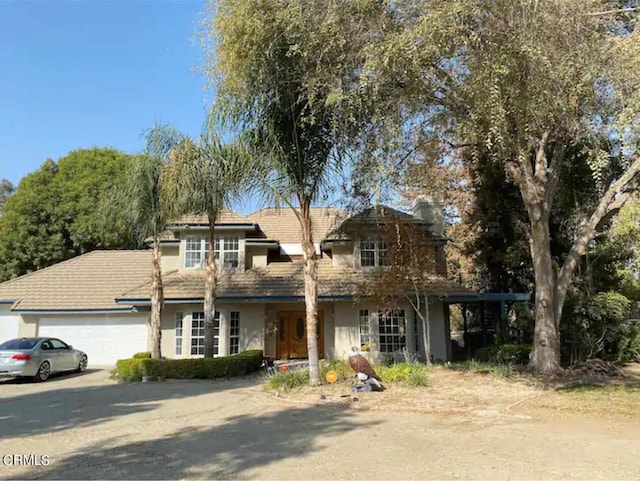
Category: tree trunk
[210,294]
[310,294]
[157,300]
[426,331]
[545,353]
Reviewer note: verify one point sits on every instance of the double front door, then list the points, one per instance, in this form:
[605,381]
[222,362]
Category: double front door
[292,335]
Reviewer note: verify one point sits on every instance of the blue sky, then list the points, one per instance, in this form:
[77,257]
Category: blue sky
[94,73]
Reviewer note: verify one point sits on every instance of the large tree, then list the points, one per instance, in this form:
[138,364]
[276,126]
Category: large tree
[283,71]
[525,81]
[55,212]
[203,175]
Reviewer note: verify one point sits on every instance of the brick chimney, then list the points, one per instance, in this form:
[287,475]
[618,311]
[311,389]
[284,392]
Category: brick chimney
[431,209]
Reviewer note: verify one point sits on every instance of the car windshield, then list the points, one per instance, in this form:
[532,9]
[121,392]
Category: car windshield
[19,344]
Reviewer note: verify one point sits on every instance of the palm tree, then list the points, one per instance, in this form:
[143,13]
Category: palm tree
[298,168]
[203,175]
[138,201]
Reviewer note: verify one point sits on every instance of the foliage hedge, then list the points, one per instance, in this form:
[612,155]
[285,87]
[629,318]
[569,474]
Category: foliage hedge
[410,374]
[142,355]
[131,370]
[506,353]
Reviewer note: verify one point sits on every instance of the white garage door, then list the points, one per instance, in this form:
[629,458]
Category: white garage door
[8,323]
[104,339]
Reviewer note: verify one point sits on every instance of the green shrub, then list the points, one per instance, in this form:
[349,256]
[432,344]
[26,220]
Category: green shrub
[512,354]
[628,343]
[503,369]
[210,368]
[485,354]
[341,368]
[475,365]
[506,353]
[411,374]
[142,355]
[286,380]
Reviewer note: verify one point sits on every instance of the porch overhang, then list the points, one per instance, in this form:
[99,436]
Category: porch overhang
[487,297]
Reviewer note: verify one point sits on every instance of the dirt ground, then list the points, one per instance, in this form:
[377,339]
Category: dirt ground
[463,426]
[480,394]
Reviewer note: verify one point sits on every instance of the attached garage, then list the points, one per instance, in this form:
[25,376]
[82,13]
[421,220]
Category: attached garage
[105,338]
[9,323]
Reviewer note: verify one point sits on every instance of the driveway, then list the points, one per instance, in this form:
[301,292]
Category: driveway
[91,428]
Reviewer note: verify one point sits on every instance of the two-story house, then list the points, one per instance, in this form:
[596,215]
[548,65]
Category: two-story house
[99,302]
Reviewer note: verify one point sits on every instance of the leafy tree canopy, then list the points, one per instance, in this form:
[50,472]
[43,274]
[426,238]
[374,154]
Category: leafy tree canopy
[55,213]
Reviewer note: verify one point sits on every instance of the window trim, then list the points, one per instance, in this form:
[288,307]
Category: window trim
[379,246]
[178,338]
[216,334]
[234,338]
[400,336]
[196,316]
[223,246]
[364,329]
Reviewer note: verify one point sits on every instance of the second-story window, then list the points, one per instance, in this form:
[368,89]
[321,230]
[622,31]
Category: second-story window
[373,252]
[227,251]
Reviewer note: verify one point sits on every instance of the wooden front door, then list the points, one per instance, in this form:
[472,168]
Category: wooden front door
[292,335]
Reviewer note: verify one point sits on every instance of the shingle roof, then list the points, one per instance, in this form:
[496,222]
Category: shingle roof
[90,281]
[280,224]
[283,225]
[226,217]
[279,279]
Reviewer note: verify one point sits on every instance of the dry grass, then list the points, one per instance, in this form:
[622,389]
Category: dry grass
[614,397]
[479,393]
[612,400]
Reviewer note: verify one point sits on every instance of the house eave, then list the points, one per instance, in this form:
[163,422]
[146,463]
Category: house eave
[8,301]
[262,243]
[123,310]
[229,300]
[218,227]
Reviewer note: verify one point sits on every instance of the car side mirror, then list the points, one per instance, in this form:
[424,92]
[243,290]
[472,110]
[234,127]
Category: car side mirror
[69,346]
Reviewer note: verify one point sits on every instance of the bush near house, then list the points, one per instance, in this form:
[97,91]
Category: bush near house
[142,355]
[504,354]
[131,370]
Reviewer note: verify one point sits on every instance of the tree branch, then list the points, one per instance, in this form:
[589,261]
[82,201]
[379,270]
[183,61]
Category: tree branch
[540,172]
[609,12]
[614,198]
[554,172]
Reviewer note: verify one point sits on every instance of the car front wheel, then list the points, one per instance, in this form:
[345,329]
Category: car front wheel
[44,371]
[82,365]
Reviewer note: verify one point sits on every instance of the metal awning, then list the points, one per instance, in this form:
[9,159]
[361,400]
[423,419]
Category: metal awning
[488,297]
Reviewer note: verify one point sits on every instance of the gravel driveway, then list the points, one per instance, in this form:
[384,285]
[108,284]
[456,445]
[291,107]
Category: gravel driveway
[91,428]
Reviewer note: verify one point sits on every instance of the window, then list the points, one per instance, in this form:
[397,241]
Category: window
[197,333]
[178,334]
[20,343]
[226,251]
[365,333]
[373,252]
[216,333]
[58,344]
[392,329]
[234,333]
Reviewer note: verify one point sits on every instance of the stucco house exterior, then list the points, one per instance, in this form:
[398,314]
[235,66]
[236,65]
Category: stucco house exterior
[99,302]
